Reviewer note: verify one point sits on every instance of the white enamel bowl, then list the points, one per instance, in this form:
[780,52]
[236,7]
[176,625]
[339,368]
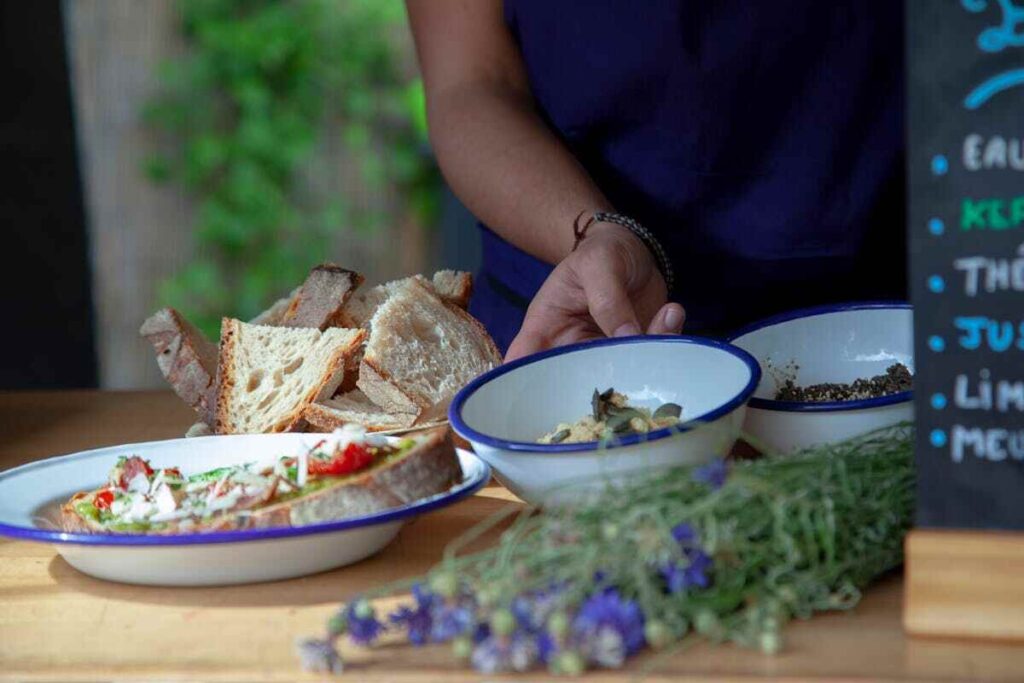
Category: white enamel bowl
[29,494]
[838,343]
[503,412]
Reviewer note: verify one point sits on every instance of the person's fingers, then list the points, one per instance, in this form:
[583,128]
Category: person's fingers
[527,341]
[540,323]
[609,305]
[668,320]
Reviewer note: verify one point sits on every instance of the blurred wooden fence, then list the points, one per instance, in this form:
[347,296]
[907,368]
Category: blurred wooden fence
[141,233]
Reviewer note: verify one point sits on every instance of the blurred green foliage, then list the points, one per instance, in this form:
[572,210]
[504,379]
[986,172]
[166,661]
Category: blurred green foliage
[263,82]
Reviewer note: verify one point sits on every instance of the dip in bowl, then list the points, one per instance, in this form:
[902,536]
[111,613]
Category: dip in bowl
[841,343]
[505,411]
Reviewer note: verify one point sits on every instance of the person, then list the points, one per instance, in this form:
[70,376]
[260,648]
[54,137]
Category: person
[760,144]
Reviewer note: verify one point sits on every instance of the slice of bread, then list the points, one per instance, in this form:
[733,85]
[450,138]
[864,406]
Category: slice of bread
[316,302]
[421,351]
[274,314]
[321,297]
[354,408]
[429,468]
[187,359]
[268,375]
[452,286]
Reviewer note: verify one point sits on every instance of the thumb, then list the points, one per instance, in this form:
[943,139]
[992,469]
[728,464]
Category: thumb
[610,307]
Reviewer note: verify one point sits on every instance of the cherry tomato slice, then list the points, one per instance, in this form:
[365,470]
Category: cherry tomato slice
[103,499]
[355,457]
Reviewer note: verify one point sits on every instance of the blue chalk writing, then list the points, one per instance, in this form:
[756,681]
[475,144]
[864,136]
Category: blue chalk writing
[993,86]
[1008,33]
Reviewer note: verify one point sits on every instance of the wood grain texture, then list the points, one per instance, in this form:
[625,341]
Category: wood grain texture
[57,624]
[138,232]
[963,583]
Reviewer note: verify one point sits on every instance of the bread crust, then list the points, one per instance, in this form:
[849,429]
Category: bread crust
[322,297]
[324,418]
[430,468]
[380,388]
[331,378]
[489,345]
[186,358]
[378,384]
[461,290]
[273,315]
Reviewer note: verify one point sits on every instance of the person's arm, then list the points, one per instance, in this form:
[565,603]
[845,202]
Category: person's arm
[515,175]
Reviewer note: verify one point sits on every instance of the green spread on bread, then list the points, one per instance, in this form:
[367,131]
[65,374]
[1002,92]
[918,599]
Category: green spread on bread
[139,498]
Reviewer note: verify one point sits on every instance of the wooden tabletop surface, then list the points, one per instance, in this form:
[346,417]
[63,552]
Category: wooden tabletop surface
[57,624]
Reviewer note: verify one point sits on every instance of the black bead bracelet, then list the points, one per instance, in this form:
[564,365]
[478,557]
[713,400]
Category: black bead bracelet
[642,233]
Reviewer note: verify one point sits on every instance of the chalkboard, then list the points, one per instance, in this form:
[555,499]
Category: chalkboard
[965,89]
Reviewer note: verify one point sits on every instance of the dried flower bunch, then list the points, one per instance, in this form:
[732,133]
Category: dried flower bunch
[725,551]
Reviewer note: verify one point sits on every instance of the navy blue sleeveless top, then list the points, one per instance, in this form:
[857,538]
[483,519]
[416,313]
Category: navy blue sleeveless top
[761,141]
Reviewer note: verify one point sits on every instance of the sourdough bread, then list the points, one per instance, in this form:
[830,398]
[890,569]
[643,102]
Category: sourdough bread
[274,314]
[186,358]
[430,468]
[421,351]
[453,286]
[321,297]
[354,408]
[268,375]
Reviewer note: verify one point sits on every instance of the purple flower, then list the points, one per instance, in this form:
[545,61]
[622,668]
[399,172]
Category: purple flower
[432,619]
[418,621]
[607,610]
[547,647]
[713,474]
[491,656]
[450,622]
[532,610]
[495,654]
[363,627]
[318,656]
[481,632]
[693,572]
[684,534]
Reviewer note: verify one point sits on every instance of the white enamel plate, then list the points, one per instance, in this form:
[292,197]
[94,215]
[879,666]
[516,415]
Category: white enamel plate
[31,494]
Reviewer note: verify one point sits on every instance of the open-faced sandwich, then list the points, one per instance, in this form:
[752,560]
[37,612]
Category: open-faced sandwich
[388,358]
[345,474]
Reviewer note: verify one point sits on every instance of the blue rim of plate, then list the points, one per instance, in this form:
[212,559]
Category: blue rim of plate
[461,490]
[467,432]
[824,406]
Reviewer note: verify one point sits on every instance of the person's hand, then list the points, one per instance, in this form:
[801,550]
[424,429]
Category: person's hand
[610,286]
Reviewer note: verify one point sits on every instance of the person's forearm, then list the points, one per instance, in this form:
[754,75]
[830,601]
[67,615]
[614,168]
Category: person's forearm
[509,169]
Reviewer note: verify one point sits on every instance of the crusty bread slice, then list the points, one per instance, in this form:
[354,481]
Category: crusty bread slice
[321,297]
[316,302]
[431,467]
[421,351]
[274,314]
[268,375]
[187,359]
[353,408]
[452,286]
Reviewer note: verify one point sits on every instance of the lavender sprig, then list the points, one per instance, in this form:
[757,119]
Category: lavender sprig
[731,551]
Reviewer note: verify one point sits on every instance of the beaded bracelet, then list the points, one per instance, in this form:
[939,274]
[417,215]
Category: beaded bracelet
[642,233]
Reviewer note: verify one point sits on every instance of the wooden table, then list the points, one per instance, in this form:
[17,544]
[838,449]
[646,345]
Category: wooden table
[57,624]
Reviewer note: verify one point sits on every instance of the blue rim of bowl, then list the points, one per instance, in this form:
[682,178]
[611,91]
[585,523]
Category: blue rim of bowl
[824,406]
[467,432]
[458,492]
